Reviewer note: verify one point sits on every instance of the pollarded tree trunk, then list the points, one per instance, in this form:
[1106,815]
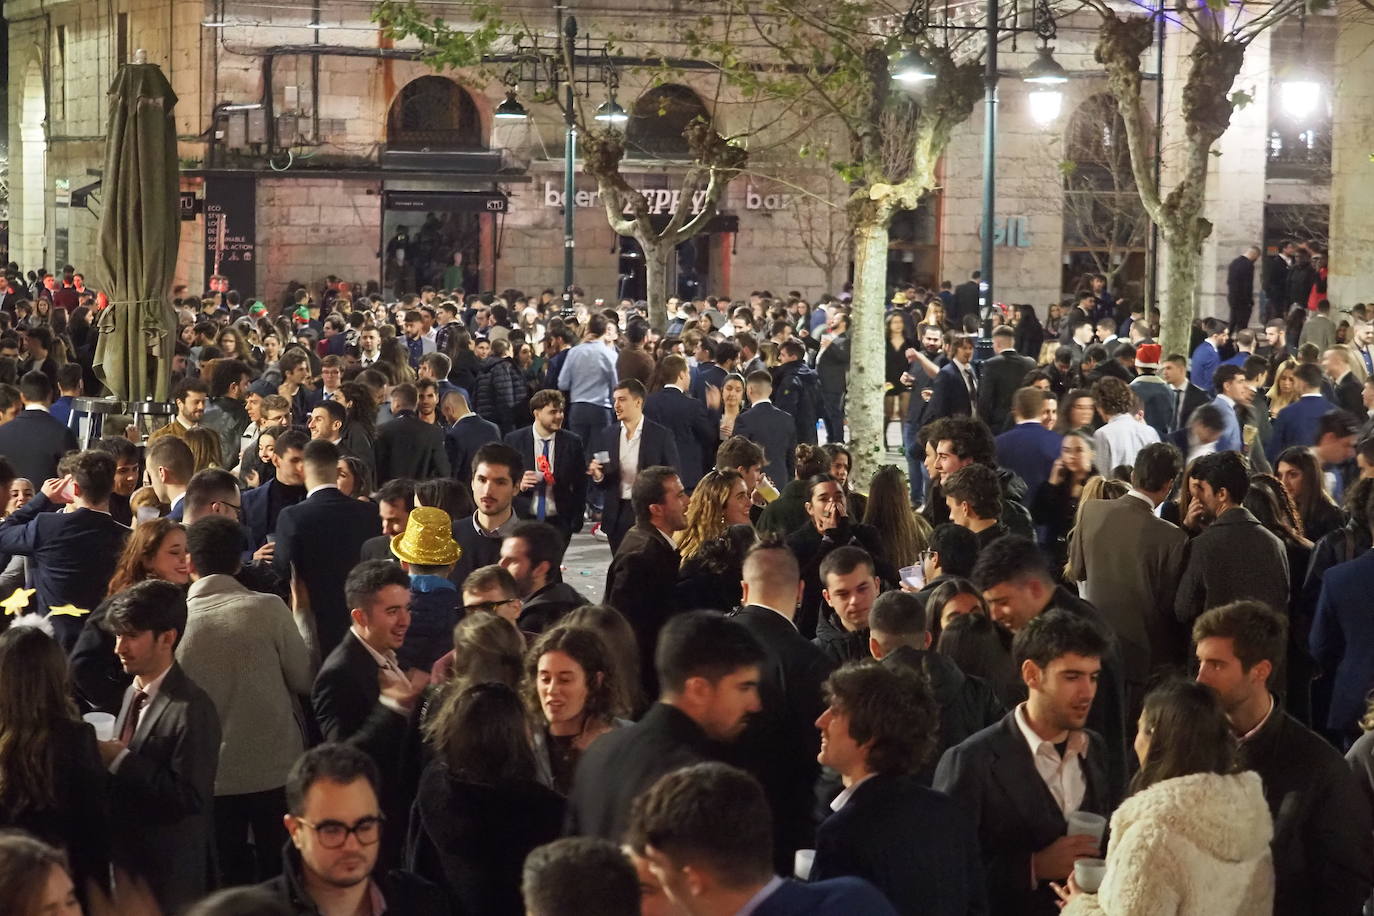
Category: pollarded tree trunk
[655,278]
[867,360]
[1182,265]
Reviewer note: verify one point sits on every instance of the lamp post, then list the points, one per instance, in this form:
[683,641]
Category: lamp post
[911,69]
[557,72]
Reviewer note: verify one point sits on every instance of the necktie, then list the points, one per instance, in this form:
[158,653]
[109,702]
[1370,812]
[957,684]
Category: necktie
[1368,361]
[972,391]
[541,488]
[126,734]
[1178,408]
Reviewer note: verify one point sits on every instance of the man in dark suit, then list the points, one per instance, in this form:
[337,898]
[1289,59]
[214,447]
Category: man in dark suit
[466,434]
[1002,376]
[966,296]
[318,541]
[164,757]
[262,505]
[1028,449]
[1296,424]
[954,391]
[695,424]
[1016,582]
[915,845]
[1342,641]
[553,486]
[780,744]
[643,573]
[1240,288]
[1348,390]
[496,469]
[73,553]
[709,668]
[1021,818]
[408,446]
[361,696]
[33,441]
[899,637]
[832,368]
[712,821]
[1186,396]
[769,428]
[1277,266]
[631,443]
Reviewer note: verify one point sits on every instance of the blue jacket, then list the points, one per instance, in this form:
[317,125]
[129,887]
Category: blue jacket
[1230,440]
[1029,450]
[434,602]
[1205,362]
[836,897]
[1342,638]
[1296,424]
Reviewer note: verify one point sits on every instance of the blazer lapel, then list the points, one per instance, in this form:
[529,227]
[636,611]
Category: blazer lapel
[157,707]
[1015,772]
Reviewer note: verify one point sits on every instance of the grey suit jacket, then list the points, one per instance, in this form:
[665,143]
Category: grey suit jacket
[163,790]
[1235,559]
[1130,561]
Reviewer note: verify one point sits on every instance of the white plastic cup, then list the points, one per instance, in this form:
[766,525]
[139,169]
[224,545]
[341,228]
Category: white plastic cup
[802,861]
[103,723]
[913,576]
[602,457]
[1088,874]
[1085,823]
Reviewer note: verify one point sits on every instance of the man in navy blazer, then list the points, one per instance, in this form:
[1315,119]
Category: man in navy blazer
[1296,424]
[1029,449]
[951,393]
[696,425]
[705,832]
[1342,640]
[262,505]
[564,502]
[1022,825]
[770,428]
[914,844]
[467,433]
[74,552]
[35,441]
[318,541]
[655,445]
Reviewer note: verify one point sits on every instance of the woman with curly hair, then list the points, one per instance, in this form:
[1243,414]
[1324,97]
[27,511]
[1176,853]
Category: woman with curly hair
[570,690]
[155,550]
[360,424]
[52,783]
[712,546]
[904,533]
[615,631]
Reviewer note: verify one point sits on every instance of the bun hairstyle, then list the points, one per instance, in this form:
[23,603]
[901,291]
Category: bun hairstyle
[811,461]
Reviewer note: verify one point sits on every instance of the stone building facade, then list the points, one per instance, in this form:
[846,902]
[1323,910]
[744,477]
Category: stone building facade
[304,149]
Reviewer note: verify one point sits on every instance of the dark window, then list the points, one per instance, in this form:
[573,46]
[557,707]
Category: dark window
[658,119]
[433,113]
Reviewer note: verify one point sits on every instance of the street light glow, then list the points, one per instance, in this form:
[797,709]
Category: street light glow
[1299,97]
[1045,105]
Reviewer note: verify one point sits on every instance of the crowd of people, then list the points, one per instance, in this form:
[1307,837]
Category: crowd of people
[1101,645]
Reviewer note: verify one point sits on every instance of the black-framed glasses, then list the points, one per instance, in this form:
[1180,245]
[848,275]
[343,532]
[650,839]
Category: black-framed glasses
[487,606]
[334,834]
[237,507]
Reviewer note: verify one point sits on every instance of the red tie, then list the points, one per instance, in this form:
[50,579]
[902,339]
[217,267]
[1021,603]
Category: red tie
[126,734]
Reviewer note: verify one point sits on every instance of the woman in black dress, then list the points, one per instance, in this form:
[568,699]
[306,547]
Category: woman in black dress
[1054,506]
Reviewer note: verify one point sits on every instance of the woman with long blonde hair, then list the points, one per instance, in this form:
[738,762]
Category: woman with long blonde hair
[905,534]
[721,499]
[1284,391]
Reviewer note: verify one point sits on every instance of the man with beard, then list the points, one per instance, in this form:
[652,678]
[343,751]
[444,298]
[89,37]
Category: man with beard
[553,486]
[495,469]
[533,554]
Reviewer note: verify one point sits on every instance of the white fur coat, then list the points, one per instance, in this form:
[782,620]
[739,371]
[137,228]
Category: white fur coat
[1193,846]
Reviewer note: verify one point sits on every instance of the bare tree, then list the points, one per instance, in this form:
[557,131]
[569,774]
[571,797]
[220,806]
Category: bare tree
[1103,214]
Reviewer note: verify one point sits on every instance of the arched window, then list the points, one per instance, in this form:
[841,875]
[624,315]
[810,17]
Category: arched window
[1105,226]
[433,113]
[658,120]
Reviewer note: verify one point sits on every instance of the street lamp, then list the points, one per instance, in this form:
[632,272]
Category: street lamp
[511,109]
[1046,101]
[610,112]
[1299,95]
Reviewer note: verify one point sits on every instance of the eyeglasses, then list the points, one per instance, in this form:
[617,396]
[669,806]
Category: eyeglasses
[488,606]
[924,555]
[334,834]
[237,507]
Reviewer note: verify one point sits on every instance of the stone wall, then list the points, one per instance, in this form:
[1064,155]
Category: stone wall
[1352,171]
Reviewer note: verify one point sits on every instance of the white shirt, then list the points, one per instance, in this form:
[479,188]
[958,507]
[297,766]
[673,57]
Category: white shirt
[150,690]
[324,486]
[550,507]
[1063,776]
[629,457]
[843,798]
[1119,439]
[388,664]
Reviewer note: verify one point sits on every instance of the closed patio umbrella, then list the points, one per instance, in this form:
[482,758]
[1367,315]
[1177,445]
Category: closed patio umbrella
[139,231]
